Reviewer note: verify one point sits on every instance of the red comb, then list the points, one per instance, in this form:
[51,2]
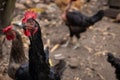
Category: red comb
[8,28]
[28,15]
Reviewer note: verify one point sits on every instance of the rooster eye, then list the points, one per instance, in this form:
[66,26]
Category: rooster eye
[30,23]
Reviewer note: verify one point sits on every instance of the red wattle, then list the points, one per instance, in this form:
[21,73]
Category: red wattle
[10,37]
[27,33]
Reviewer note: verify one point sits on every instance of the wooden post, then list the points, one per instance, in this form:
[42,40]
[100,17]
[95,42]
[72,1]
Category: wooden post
[6,11]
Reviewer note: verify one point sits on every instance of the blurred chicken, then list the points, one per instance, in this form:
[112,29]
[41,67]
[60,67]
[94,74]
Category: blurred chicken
[17,55]
[115,62]
[38,66]
[63,3]
[77,22]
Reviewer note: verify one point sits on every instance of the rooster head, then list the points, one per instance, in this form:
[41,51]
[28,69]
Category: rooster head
[29,23]
[9,32]
[29,14]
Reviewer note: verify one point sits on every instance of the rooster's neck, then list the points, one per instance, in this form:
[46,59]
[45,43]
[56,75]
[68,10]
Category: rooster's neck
[17,54]
[36,50]
[37,57]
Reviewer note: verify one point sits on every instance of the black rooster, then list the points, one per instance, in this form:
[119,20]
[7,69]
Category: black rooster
[38,67]
[115,62]
[17,55]
[77,22]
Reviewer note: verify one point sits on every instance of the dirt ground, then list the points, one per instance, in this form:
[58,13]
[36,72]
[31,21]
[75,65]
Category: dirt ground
[90,58]
[88,62]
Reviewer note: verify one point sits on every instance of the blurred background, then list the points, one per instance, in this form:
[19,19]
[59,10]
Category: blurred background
[88,62]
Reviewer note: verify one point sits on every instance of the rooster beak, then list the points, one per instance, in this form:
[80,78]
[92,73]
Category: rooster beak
[19,25]
[23,26]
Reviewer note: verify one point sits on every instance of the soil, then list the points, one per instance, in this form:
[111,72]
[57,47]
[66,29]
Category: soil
[89,61]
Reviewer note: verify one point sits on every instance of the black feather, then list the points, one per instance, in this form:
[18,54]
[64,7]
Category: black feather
[115,62]
[78,23]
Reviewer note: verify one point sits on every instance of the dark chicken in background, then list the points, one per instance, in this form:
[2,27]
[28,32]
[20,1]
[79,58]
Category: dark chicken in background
[115,62]
[77,22]
[38,67]
[17,55]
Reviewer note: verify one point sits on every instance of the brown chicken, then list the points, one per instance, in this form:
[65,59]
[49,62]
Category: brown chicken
[63,3]
[17,55]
